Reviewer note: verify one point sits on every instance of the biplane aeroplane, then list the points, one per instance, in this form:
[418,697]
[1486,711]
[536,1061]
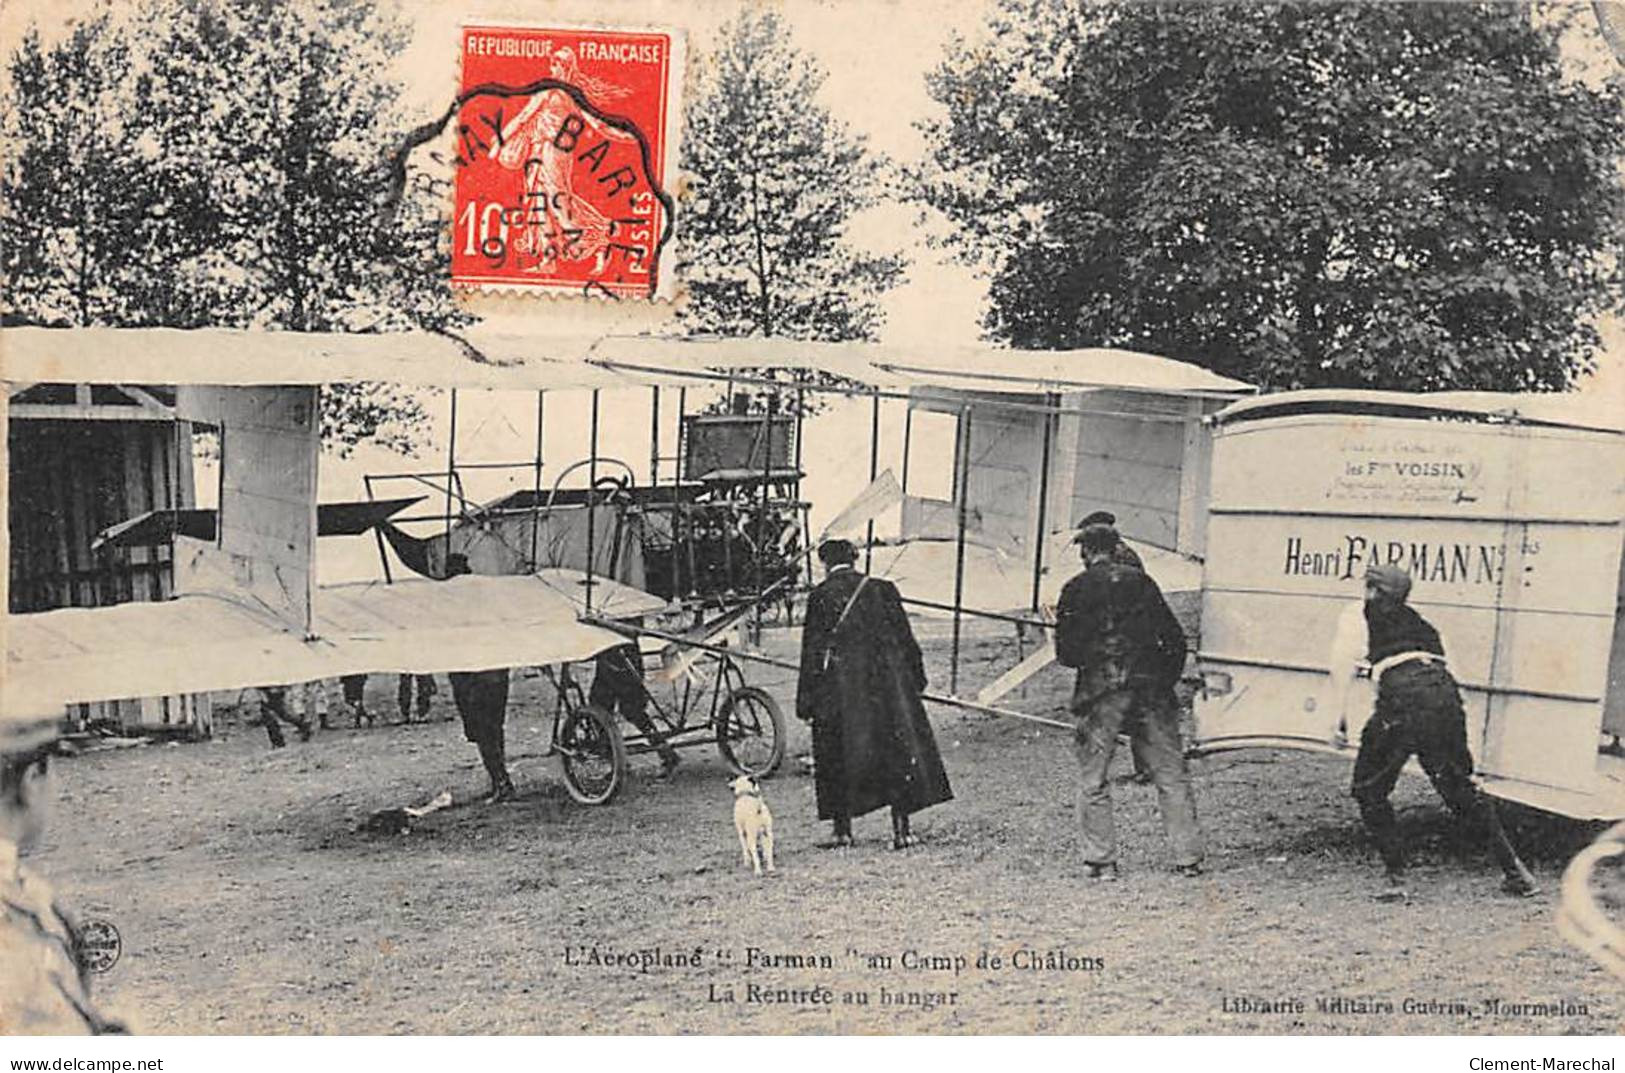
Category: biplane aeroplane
[247,609]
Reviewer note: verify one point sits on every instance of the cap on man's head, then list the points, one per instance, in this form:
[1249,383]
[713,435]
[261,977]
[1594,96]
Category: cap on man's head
[1098,539]
[1099,517]
[1392,581]
[837,552]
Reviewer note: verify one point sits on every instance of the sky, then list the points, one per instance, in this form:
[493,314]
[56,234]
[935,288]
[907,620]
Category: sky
[877,54]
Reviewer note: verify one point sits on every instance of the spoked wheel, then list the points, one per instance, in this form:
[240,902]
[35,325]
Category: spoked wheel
[594,757]
[750,732]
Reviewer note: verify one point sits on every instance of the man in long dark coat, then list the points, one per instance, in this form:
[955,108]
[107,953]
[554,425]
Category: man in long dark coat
[482,701]
[860,685]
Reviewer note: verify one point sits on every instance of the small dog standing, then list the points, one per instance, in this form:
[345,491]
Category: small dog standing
[753,822]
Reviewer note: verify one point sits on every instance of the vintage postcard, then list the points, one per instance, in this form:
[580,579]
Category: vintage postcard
[1006,518]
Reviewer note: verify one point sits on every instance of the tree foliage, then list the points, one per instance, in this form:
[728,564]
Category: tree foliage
[776,182]
[193,163]
[1386,195]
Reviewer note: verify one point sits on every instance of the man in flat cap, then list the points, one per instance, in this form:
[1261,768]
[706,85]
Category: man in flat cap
[861,679]
[1418,711]
[44,990]
[1114,626]
[1122,553]
[1126,556]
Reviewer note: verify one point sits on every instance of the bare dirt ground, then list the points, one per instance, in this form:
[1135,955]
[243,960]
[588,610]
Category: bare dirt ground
[249,902]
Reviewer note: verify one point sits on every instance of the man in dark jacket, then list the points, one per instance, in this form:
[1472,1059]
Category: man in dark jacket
[1113,625]
[1127,556]
[482,701]
[1418,711]
[861,679]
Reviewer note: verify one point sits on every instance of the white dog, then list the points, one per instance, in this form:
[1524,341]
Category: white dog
[753,822]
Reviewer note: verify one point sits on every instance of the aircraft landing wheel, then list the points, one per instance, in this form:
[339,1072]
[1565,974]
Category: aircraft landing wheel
[593,755]
[750,732]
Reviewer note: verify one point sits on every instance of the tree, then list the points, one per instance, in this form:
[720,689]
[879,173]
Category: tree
[69,180]
[777,180]
[236,181]
[1382,195]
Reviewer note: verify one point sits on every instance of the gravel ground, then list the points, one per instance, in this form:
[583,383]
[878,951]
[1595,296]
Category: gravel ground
[249,902]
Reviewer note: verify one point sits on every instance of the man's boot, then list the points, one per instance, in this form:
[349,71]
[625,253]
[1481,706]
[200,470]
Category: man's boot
[668,761]
[841,838]
[1516,879]
[901,836]
[493,755]
[274,732]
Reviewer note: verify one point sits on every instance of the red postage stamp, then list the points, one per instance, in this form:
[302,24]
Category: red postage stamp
[566,142]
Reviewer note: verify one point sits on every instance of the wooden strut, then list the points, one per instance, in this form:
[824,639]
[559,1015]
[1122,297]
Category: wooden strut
[874,466]
[451,466]
[592,485]
[959,542]
[769,406]
[1043,504]
[536,485]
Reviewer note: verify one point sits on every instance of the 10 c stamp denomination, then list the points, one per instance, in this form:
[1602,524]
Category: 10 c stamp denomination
[566,141]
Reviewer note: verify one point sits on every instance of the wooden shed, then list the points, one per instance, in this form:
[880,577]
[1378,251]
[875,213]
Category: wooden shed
[82,458]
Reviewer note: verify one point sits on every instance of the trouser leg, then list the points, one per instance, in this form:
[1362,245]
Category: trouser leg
[638,716]
[355,697]
[1094,743]
[316,702]
[1383,752]
[1449,765]
[619,684]
[403,697]
[273,713]
[1156,741]
[899,826]
[1475,809]
[1130,733]
[491,755]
